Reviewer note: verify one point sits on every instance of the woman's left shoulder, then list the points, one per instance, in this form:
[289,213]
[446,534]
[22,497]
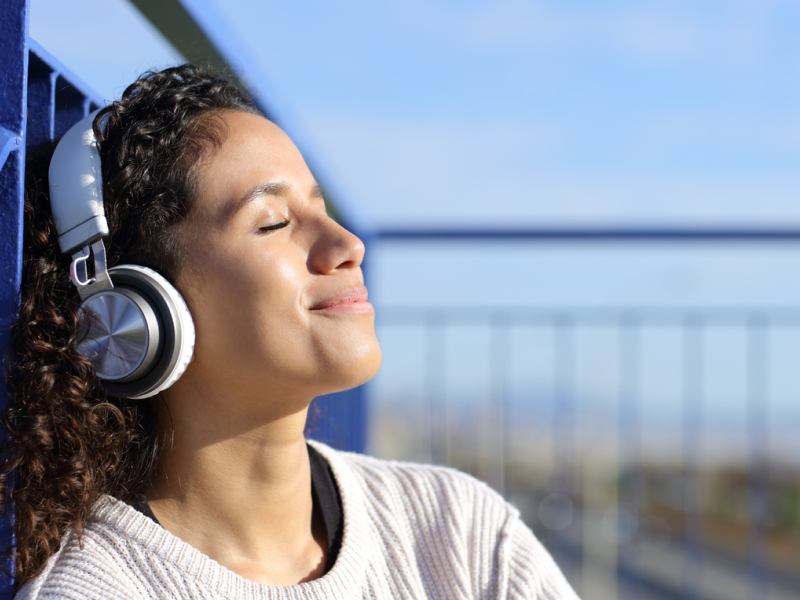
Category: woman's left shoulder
[431,489]
[456,525]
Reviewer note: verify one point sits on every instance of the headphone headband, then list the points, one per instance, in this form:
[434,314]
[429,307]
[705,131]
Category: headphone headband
[138,332]
[76,188]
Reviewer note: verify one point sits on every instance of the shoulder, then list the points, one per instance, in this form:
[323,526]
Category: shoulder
[455,527]
[431,490]
[99,565]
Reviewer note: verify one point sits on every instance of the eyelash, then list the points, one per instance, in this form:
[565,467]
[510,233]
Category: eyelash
[274,227]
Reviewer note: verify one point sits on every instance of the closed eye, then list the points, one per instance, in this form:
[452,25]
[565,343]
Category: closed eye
[274,227]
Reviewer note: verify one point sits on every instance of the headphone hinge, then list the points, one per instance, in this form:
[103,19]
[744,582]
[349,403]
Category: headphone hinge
[79,274]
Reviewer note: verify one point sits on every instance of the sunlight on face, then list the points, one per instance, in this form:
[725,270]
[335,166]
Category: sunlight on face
[274,284]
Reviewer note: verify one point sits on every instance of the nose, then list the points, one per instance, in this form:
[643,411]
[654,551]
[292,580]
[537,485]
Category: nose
[335,248]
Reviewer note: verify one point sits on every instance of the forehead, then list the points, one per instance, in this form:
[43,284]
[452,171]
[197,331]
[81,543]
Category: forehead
[254,151]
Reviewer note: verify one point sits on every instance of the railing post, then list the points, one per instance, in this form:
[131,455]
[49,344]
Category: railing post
[630,492]
[13,79]
[692,452]
[497,419]
[438,429]
[758,407]
[567,542]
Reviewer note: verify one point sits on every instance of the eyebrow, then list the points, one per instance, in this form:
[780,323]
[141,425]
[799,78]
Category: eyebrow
[271,188]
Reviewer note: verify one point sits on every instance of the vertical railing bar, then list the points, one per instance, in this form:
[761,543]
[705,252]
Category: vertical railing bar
[13,111]
[430,375]
[692,408]
[629,438]
[436,404]
[564,432]
[758,407]
[500,367]
[443,449]
[52,106]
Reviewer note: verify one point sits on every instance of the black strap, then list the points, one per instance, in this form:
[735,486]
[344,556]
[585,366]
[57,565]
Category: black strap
[141,504]
[325,494]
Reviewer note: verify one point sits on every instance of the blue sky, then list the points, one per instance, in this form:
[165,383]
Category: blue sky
[515,112]
[523,110]
[519,112]
[551,111]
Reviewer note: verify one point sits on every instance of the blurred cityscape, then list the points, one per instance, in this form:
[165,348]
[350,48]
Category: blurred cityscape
[602,430]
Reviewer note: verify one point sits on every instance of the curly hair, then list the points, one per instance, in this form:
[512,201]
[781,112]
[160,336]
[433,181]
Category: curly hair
[67,441]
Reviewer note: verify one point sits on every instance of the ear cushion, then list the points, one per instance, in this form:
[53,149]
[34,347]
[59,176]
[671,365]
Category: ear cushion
[176,332]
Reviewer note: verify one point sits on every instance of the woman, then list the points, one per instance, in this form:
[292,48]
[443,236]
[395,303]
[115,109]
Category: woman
[209,489]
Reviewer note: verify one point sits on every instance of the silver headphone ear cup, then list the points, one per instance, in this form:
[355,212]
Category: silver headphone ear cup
[121,334]
[176,333]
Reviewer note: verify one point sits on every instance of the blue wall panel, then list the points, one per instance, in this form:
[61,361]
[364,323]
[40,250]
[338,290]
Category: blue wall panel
[13,66]
[340,420]
[13,89]
[41,100]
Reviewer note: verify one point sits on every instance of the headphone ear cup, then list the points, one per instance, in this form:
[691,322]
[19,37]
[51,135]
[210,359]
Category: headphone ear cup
[121,334]
[139,335]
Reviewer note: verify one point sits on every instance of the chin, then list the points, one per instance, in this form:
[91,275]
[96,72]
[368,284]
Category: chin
[356,370]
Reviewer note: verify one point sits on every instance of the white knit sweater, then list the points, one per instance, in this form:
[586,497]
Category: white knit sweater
[410,531]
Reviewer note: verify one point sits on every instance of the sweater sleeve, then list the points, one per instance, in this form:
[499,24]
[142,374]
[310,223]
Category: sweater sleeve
[81,572]
[526,570]
[76,584]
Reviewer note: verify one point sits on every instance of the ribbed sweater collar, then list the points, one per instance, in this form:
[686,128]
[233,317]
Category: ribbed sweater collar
[345,580]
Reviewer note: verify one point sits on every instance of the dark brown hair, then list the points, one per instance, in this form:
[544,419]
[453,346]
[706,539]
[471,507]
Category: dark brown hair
[67,441]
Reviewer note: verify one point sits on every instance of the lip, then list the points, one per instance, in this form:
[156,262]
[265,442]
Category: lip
[352,300]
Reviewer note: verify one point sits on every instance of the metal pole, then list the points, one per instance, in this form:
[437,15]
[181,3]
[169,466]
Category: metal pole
[629,442]
[500,366]
[437,444]
[564,430]
[13,102]
[692,432]
[758,408]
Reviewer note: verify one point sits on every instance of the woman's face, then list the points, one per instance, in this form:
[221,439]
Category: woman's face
[274,285]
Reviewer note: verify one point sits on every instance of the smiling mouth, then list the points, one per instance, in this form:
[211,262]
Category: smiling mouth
[353,300]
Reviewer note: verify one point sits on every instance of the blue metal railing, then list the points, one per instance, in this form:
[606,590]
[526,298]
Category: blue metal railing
[13,71]
[634,575]
[608,234]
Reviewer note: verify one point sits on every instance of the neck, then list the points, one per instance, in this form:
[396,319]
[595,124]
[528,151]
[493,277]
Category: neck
[236,484]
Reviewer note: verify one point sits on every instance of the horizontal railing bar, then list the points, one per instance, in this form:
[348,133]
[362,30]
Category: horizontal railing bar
[598,234]
[64,72]
[388,315]
[9,141]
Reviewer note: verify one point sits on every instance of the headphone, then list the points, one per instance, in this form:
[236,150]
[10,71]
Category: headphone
[137,330]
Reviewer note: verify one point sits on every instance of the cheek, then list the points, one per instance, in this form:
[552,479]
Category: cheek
[253,328]
[247,312]
[272,315]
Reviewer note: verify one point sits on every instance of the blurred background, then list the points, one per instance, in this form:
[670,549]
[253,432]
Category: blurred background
[583,239]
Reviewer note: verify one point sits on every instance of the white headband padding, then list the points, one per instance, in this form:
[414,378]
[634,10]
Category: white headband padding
[76,188]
